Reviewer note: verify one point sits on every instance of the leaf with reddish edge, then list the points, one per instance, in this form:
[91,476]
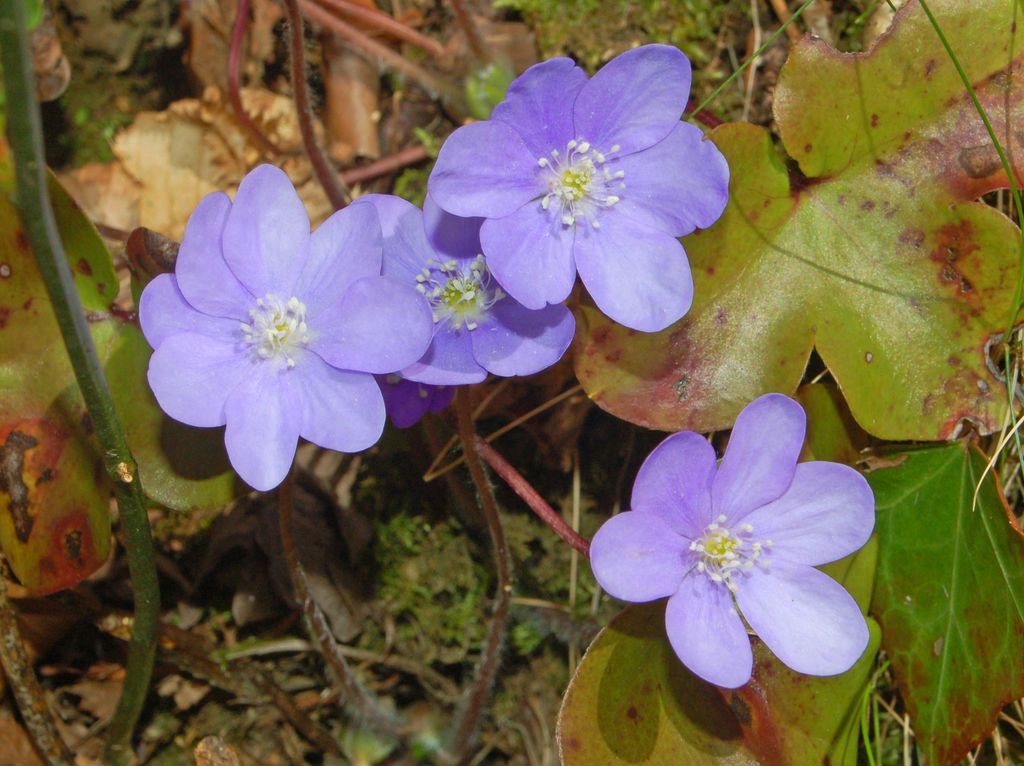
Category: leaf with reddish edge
[633,702]
[875,253]
[950,596]
[54,492]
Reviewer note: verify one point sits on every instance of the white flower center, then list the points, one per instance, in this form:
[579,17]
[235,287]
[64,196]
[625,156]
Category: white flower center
[725,553]
[277,329]
[462,294]
[579,184]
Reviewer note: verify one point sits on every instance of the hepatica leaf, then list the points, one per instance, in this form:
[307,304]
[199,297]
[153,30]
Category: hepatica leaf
[950,596]
[875,252]
[633,702]
[54,494]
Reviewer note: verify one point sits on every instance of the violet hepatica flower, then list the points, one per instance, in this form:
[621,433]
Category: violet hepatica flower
[477,327]
[274,331]
[742,539]
[407,402]
[596,175]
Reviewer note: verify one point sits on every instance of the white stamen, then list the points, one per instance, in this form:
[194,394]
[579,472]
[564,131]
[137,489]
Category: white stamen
[276,330]
[724,553]
[578,184]
[461,294]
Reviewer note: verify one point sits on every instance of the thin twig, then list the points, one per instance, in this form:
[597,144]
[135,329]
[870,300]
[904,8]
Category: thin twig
[704,117]
[476,41]
[782,11]
[382,22]
[235,78]
[26,137]
[467,721]
[531,497]
[322,168]
[385,165]
[368,709]
[435,86]
[27,692]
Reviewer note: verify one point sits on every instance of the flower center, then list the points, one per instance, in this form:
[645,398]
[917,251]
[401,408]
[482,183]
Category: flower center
[579,184]
[276,328]
[461,294]
[725,553]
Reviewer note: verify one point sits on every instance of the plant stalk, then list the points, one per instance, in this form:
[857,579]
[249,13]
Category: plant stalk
[33,202]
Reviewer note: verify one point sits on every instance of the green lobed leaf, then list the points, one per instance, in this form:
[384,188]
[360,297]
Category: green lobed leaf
[875,253]
[54,493]
[949,596]
[633,702]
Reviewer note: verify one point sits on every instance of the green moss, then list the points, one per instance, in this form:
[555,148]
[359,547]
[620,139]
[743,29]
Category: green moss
[594,30]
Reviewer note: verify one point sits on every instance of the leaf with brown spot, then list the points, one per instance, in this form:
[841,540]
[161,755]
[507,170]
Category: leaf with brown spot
[950,596]
[54,491]
[633,702]
[875,253]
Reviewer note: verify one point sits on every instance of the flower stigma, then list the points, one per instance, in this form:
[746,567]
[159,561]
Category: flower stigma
[726,552]
[277,328]
[579,184]
[461,294]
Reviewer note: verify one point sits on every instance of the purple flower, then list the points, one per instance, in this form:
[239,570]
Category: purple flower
[478,328]
[274,331]
[744,535]
[597,175]
[407,402]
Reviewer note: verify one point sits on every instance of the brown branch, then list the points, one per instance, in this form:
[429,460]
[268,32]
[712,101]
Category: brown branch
[27,692]
[235,79]
[352,692]
[382,22]
[469,717]
[435,86]
[531,497]
[782,11]
[476,41]
[385,165]
[322,168]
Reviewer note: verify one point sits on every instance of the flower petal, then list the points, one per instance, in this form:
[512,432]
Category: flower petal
[760,459]
[163,311]
[448,362]
[674,483]
[678,185]
[407,402]
[266,233]
[638,276]
[203,275]
[341,410]
[634,100]
[344,248]
[828,512]
[707,634]
[805,617]
[484,169]
[406,249]
[264,414]
[637,557]
[450,235]
[192,376]
[515,340]
[379,325]
[538,104]
[530,254]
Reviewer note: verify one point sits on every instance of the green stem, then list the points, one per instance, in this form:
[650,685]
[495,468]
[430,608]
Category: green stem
[33,201]
[751,59]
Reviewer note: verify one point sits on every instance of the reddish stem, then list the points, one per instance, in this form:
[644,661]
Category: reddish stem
[704,117]
[476,41]
[385,165]
[532,498]
[235,79]
[370,47]
[385,23]
[328,178]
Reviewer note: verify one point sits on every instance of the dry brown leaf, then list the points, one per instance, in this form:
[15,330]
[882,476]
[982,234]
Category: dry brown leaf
[15,746]
[170,160]
[99,690]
